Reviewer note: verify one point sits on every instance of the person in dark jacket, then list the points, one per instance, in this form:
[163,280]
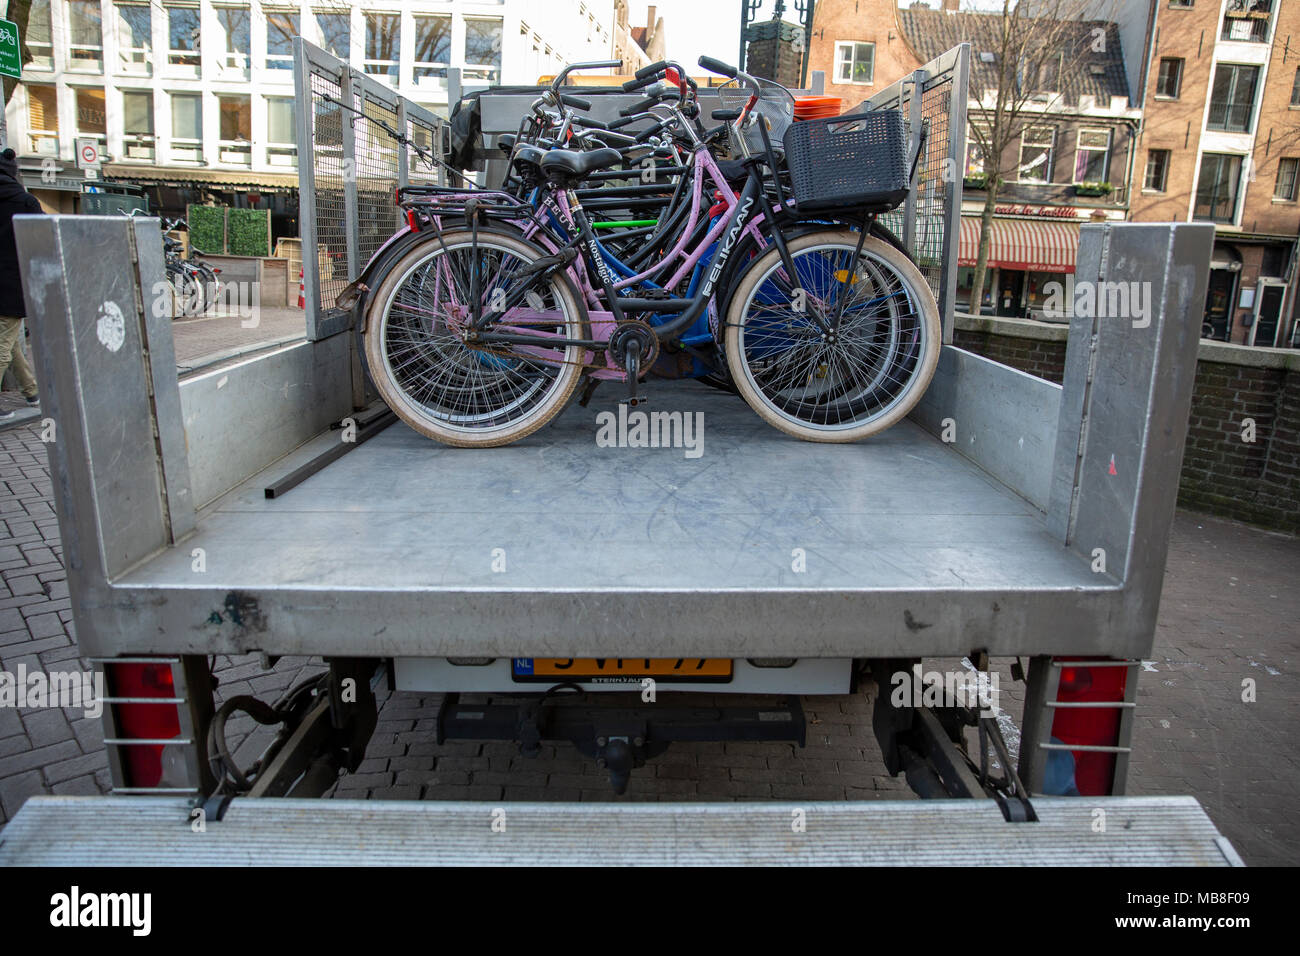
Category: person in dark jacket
[14,200]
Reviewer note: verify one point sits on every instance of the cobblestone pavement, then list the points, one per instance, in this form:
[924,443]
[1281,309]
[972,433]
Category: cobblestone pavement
[1228,614]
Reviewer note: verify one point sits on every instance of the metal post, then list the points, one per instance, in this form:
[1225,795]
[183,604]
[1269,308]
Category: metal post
[914,118]
[307,232]
[352,228]
[404,154]
[957,103]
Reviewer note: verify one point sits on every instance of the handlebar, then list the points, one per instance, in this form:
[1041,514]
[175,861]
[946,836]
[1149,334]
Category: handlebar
[576,102]
[718,67]
[591,65]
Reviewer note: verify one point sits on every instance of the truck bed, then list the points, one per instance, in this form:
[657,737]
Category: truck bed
[608,542]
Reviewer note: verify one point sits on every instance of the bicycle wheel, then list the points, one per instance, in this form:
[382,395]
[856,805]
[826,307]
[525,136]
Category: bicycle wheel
[866,373]
[451,390]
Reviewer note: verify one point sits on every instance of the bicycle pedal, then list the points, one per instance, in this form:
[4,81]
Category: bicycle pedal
[632,401]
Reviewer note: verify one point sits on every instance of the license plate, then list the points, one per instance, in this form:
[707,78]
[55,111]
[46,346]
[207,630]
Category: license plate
[622,670]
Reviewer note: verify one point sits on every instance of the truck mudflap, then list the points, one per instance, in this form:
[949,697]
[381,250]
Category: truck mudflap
[125,831]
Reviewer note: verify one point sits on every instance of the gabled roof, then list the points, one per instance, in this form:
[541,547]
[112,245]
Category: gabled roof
[1084,71]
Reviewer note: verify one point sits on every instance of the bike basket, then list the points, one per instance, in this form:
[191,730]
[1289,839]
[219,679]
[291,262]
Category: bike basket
[858,161]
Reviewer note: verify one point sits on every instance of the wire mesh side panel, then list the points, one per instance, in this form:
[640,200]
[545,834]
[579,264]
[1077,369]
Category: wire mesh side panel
[929,220]
[376,169]
[934,176]
[330,198]
[426,137]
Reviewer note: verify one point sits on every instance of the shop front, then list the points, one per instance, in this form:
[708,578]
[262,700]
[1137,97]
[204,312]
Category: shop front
[1248,300]
[1026,253]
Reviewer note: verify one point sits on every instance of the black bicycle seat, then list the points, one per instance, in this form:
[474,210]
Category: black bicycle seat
[506,142]
[570,165]
[529,154]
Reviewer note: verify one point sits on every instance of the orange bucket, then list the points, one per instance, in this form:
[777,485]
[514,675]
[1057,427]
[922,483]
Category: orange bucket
[817,107]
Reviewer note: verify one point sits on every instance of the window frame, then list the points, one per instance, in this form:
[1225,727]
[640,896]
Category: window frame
[1236,69]
[178,57]
[1234,182]
[1166,157]
[146,141]
[852,46]
[77,64]
[1047,165]
[1079,149]
[133,60]
[276,62]
[389,70]
[185,142]
[432,72]
[470,70]
[1178,79]
[1292,163]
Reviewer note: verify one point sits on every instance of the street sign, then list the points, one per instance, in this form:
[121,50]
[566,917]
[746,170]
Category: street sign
[11,61]
[87,153]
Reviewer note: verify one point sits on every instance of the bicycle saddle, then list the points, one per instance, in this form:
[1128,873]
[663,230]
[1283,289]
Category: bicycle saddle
[529,154]
[566,164]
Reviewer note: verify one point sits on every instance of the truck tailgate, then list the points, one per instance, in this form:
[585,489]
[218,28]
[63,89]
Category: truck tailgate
[133,831]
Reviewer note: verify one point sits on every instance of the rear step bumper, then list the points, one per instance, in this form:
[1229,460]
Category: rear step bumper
[155,831]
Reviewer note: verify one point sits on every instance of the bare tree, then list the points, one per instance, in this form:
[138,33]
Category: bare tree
[1016,81]
[19,12]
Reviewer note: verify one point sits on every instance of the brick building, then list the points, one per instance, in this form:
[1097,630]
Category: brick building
[1071,164]
[1221,143]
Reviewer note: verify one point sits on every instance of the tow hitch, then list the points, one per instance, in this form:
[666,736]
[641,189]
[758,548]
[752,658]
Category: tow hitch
[619,739]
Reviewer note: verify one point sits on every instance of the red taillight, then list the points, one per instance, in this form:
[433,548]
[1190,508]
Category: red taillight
[412,221]
[1096,726]
[144,721]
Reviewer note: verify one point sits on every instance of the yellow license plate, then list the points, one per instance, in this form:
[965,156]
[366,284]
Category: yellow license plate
[622,670]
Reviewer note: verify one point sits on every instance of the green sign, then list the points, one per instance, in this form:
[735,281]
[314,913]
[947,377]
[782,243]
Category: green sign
[11,60]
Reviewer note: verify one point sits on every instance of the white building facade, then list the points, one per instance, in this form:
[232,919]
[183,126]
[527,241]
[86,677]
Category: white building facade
[208,85]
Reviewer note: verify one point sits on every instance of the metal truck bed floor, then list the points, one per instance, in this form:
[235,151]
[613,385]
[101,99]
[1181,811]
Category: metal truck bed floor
[134,831]
[406,539]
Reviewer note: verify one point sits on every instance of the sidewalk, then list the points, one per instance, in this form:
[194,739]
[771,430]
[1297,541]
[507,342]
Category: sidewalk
[1229,614]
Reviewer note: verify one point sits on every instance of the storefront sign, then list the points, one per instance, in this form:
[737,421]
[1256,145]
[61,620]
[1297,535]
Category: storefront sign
[1045,212]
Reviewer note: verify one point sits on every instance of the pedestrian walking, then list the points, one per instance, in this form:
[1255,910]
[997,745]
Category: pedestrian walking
[14,200]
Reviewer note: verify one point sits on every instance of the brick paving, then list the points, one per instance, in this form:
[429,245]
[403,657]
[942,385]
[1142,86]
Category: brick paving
[1228,613]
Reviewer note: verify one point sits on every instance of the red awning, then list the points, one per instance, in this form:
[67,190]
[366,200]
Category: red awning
[1022,244]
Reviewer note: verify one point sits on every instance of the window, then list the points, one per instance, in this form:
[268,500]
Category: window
[281,28]
[1246,21]
[974,152]
[1216,189]
[90,114]
[335,34]
[1295,88]
[280,149]
[1181,4]
[137,124]
[1170,81]
[1156,178]
[235,24]
[86,33]
[235,129]
[1287,168]
[183,40]
[383,41]
[1036,154]
[855,62]
[39,43]
[1091,158]
[483,50]
[1232,98]
[43,119]
[187,126]
[134,38]
[432,50]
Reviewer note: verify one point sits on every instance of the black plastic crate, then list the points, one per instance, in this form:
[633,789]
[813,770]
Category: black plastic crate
[857,161]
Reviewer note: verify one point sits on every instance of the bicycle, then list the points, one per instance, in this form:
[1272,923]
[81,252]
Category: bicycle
[478,334]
